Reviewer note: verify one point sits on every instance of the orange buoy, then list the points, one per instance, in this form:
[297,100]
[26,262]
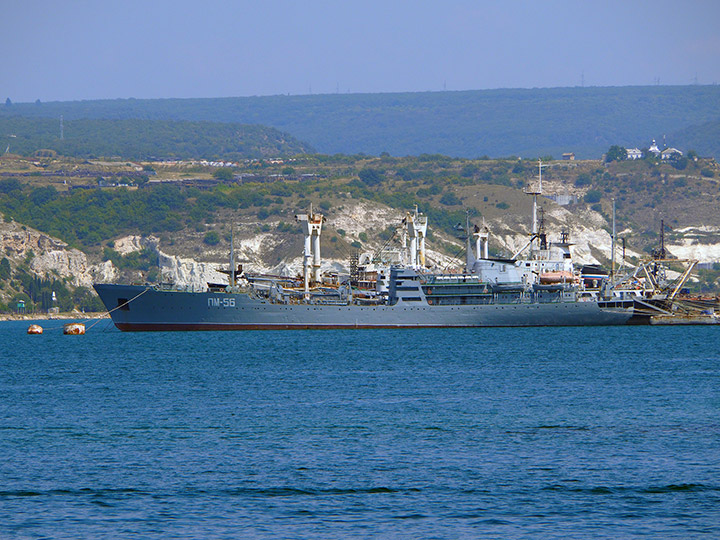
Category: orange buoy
[35,329]
[74,329]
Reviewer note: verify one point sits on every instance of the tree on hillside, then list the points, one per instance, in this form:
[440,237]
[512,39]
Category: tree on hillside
[370,177]
[680,163]
[212,238]
[616,153]
[8,185]
[4,269]
[223,173]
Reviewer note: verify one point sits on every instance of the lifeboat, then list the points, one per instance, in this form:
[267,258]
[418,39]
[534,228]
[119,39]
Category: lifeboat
[561,276]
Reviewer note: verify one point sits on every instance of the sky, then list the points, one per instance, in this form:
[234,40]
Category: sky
[74,50]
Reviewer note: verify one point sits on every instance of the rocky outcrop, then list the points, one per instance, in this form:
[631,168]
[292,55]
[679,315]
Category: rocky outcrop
[188,272]
[48,256]
[699,243]
[72,263]
[129,244]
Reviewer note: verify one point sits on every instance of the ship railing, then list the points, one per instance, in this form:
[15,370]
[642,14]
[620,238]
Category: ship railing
[171,287]
[453,279]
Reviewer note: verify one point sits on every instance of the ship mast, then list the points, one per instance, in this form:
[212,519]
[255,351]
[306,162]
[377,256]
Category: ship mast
[535,191]
[612,255]
[231,275]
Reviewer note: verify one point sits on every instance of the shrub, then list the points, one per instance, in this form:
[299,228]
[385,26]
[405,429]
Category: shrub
[4,269]
[8,185]
[450,199]
[469,170]
[583,179]
[212,238]
[224,173]
[593,196]
[370,177]
[680,163]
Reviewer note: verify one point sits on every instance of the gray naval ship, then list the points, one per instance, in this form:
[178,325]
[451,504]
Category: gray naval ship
[413,300]
[540,288]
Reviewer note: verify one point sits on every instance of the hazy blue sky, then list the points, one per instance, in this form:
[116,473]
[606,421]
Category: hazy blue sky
[69,50]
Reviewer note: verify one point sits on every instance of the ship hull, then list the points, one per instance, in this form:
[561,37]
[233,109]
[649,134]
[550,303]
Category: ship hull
[138,308]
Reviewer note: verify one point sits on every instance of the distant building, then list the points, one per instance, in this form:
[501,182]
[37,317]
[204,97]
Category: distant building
[568,156]
[654,148]
[671,153]
[668,153]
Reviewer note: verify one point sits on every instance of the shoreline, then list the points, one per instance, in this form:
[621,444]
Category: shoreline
[78,316]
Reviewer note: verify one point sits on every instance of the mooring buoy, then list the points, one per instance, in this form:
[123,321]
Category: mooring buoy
[74,329]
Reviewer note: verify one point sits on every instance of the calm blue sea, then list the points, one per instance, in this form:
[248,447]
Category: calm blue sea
[500,433]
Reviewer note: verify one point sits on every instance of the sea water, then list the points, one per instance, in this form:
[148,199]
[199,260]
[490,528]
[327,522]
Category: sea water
[441,433]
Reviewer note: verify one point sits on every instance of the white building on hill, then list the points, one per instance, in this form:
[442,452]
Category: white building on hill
[671,153]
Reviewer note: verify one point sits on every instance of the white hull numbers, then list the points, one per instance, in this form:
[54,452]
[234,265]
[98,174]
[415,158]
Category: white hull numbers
[221,302]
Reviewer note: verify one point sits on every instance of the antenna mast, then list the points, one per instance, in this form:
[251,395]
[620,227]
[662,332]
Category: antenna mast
[612,255]
[231,276]
[535,191]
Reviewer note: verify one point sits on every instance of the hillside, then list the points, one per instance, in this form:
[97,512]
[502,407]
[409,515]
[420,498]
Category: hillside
[60,196]
[521,122]
[174,220]
[704,138]
[146,139]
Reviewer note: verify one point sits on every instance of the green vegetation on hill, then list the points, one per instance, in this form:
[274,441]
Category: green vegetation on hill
[190,219]
[85,218]
[522,122]
[146,139]
[443,188]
